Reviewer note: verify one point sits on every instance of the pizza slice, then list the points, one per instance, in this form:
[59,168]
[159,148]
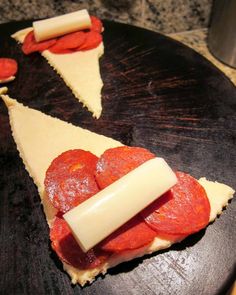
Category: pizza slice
[75,57]
[40,139]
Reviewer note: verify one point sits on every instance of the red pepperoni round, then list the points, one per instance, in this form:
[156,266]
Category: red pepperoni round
[116,162]
[92,40]
[183,210]
[67,42]
[66,247]
[96,24]
[132,235]
[70,179]
[8,67]
[30,45]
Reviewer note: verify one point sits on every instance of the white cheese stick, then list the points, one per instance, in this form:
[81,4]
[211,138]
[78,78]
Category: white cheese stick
[61,25]
[102,214]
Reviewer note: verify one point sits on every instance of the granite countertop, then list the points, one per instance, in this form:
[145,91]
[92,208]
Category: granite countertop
[179,20]
[197,39]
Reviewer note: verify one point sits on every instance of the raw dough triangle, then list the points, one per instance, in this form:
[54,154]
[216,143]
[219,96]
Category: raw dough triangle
[40,138]
[79,70]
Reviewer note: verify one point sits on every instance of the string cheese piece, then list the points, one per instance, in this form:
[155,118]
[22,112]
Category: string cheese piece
[92,220]
[61,25]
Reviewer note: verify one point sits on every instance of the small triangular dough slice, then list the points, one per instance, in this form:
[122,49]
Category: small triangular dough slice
[40,138]
[79,70]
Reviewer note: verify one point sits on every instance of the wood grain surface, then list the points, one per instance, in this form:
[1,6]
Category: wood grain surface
[158,94]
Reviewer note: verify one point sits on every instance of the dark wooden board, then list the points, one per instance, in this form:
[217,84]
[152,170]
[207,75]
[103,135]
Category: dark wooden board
[158,94]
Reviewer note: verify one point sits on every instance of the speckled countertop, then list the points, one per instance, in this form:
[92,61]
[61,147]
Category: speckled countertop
[197,39]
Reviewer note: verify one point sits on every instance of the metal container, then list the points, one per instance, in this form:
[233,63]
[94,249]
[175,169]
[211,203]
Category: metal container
[222,31]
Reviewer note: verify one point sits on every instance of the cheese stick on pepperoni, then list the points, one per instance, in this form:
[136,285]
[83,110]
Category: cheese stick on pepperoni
[183,210]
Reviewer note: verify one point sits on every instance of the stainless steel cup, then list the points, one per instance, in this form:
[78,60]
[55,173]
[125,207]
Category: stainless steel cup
[222,31]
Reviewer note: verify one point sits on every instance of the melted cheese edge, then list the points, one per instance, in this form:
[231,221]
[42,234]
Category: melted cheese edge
[79,70]
[43,138]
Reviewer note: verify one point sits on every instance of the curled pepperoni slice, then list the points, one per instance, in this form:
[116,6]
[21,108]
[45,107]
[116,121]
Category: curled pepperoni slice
[70,179]
[8,68]
[132,235]
[67,42]
[30,45]
[96,24]
[116,162]
[68,249]
[183,210]
[92,40]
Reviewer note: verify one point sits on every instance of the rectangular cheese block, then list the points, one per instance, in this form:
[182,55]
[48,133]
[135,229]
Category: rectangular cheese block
[126,197]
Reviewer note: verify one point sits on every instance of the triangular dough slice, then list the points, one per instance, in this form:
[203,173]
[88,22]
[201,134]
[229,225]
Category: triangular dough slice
[79,70]
[40,138]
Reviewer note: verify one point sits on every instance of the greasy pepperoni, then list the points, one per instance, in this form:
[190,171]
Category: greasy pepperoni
[30,45]
[96,24]
[68,249]
[8,67]
[70,179]
[183,210]
[67,42]
[132,235]
[116,162]
[92,40]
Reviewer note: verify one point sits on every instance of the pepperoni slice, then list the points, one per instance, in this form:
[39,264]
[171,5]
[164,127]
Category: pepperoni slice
[70,179]
[30,45]
[8,67]
[96,24]
[116,162]
[132,235]
[69,41]
[183,210]
[92,40]
[66,247]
